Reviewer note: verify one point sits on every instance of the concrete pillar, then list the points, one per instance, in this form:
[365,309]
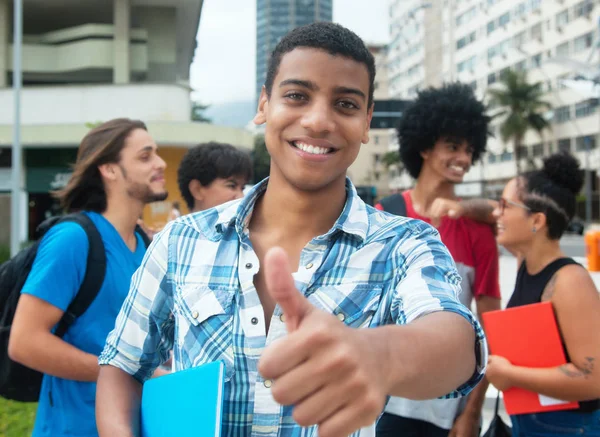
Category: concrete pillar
[5,21]
[122,63]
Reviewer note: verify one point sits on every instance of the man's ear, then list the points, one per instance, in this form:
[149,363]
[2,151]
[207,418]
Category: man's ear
[365,137]
[107,171]
[261,111]
[196,190]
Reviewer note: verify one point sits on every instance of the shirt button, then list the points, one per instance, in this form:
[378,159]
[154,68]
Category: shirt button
[195,314]
[282,318]
[309,266]
[341,317]
[248,265]
[268,383]
[254,321]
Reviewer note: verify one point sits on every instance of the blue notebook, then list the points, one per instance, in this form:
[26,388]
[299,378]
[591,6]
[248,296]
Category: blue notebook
[184,403]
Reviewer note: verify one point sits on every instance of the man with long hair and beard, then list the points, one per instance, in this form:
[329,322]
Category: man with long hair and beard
[118,171]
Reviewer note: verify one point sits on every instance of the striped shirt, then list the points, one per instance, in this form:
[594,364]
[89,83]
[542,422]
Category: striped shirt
[194,293]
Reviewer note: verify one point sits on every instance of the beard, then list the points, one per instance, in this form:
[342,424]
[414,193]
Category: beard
[142,192]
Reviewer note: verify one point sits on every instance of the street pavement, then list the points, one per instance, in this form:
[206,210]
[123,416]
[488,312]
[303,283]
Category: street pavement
[573,246]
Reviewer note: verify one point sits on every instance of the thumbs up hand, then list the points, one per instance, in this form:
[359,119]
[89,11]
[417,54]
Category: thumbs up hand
[333,375]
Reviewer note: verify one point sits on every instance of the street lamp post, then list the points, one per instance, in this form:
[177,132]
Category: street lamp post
[15,207]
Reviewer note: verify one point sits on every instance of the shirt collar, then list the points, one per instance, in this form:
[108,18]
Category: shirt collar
[354,219]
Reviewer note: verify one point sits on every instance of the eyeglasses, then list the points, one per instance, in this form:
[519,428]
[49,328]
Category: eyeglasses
[502,203]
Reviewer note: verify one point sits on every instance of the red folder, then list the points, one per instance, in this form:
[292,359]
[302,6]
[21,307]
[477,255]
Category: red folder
[527,336]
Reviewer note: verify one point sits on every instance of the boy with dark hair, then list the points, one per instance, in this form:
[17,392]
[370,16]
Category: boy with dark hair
[213,173]
[441,134]
[218,285]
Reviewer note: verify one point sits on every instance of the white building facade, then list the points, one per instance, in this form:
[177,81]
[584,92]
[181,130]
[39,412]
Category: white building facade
[474,41]
[85,62]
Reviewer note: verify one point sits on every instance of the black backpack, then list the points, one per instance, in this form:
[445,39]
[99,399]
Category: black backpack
[394,204]
[18,382]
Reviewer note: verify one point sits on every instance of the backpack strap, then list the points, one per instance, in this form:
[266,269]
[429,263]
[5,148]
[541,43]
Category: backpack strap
[394,204]
[145,238]
[95,271]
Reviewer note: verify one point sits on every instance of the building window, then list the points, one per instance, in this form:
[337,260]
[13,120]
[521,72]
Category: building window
[583,8]
[586,108]
[563,49]
[506,156]
[536,31]
[583,42]
[562,114]
[491,78]
[582,143]
[537,150]
[519,39]
[504,19]
[562,18]
[465,41]
[491,26]
[564,145]
[492,158]
[536,61]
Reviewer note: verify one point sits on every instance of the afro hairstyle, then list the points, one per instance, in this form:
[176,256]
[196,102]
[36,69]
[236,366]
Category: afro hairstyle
[452,110]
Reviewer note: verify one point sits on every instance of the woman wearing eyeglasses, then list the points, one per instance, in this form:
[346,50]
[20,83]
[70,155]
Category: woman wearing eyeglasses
[532,215]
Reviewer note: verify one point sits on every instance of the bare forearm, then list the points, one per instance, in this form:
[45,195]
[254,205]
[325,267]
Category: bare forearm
[118,398]
[476,399]
[566,382]
[479,210]
[429,357]
[49,354]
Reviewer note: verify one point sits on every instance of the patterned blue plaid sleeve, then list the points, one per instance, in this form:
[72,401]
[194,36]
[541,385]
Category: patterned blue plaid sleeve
[429,282]
[142,337]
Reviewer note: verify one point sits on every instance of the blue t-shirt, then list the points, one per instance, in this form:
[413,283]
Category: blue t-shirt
[66,407]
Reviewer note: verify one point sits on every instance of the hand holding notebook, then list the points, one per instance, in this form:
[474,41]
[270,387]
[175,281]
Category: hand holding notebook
[527,336]
[184,403]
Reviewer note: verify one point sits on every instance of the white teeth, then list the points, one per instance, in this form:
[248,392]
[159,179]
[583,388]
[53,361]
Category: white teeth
[456,168]
[309,148]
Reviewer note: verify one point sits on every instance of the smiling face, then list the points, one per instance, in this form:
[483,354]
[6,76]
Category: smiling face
[316,118]
[514,220]
[450,159]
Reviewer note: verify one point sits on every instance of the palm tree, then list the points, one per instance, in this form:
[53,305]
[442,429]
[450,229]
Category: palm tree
[522,107]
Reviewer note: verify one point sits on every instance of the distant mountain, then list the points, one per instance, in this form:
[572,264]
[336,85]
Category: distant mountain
[234,114]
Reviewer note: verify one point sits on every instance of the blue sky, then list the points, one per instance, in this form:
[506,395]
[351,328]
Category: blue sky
[224,68]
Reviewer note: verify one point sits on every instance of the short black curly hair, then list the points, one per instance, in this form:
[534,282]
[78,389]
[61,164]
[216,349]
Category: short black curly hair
[553,191]
[330,37]
[209,161]
[452,110]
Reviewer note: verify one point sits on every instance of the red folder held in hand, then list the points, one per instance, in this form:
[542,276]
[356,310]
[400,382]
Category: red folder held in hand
[527,336]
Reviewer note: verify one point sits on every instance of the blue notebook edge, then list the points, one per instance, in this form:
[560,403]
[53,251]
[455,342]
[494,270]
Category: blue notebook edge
[219,395]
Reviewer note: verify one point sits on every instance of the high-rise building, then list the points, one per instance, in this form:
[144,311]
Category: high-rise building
[275,18]
[475,41]
[88,62]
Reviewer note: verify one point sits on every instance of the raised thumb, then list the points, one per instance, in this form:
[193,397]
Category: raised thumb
[281,287]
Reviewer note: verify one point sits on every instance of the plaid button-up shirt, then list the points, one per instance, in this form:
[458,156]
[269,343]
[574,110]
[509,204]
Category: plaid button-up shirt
[194,293]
